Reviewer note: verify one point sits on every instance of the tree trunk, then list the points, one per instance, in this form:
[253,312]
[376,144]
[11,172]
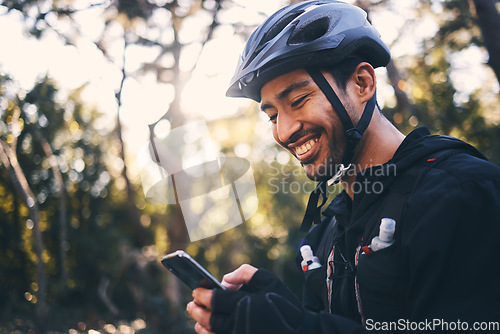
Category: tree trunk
[18,179]
[489,22]
[133,212]
[61,194]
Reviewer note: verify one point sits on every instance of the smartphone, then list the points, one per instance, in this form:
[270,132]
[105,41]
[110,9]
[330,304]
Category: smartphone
[182,265]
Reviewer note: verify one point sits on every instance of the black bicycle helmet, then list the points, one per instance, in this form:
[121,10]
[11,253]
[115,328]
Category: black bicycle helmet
[312,35]
[309,33]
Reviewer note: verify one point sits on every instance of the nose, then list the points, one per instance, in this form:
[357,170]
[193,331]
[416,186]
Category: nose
[286,125]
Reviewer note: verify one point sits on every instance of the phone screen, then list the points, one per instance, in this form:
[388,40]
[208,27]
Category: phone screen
[189,271]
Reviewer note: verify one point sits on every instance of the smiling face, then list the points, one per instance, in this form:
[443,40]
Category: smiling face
[304,122]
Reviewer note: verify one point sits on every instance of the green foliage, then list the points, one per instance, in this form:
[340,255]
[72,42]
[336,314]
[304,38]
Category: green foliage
[460,29]
[135,8]
[97,241]
[437,103]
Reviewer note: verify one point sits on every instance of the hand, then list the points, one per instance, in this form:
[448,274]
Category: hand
[262,305]
[234,280]
[200,309]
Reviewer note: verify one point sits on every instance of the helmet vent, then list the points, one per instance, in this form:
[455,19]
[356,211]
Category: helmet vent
[314,28]
[279,26]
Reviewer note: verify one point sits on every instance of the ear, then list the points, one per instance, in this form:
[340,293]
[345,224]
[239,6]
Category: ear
[364,82]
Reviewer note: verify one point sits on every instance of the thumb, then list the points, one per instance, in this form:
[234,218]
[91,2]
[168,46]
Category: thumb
[240,276]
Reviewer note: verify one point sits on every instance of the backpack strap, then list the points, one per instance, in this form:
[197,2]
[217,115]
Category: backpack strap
[394,203]
[403,187]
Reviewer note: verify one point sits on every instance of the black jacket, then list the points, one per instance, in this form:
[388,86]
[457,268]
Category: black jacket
[443,265]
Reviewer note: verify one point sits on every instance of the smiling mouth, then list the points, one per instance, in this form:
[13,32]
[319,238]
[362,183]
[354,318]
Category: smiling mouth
[304,148]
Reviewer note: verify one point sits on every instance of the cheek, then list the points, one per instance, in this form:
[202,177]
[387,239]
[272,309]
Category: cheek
[321,112]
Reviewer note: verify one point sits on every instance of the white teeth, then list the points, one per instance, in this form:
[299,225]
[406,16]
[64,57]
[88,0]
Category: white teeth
[302,149]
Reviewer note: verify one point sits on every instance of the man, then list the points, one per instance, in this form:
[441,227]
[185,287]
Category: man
[311,65]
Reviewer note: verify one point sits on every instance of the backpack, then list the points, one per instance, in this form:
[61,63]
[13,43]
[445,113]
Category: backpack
[321,237]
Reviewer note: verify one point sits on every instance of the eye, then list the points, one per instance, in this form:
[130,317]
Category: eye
[273,118]
[300,101]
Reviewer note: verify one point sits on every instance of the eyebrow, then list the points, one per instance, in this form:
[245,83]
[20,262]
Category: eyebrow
[285,92]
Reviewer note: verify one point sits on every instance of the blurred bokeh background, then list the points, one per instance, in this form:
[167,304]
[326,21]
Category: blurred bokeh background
[83,84]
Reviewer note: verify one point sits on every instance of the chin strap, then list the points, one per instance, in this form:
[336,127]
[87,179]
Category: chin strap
[353,136]
[313,211]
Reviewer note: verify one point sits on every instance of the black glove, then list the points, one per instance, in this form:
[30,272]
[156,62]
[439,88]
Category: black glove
[264,305]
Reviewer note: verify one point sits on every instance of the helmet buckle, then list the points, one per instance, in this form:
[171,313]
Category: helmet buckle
[353,136]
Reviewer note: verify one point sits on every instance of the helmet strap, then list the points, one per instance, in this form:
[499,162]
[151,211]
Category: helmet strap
[353,133]
[313,211]
[353,137]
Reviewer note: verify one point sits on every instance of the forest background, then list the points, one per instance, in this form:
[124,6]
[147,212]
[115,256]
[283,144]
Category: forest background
[83,85]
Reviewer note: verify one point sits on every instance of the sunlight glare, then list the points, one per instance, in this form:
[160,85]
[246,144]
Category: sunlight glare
[162,129]
[467,73]
[204,95]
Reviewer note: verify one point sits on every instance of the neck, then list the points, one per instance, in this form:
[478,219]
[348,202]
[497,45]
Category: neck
[378,145]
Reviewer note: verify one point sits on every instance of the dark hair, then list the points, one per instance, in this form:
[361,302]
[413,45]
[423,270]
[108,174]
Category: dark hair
[343,70]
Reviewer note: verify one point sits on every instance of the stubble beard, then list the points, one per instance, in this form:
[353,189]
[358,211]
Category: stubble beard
[330,165]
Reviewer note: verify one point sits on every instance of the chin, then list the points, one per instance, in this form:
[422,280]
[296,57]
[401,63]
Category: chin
[320,172]
[317,174]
